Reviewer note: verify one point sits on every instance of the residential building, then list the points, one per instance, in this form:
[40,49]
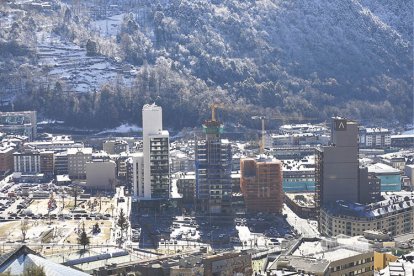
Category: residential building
[27,162]
[19,123]
[370,186]
[390,177]
[376,137]
[213,170]
[302,128]
[181,162]
[299,175]
[61,163]
[395,215]
[34,161]
[235,161]
[135,174]
[402,140]
[235,182]
[54,143]
[261,184]
[228,264]
[299,139]
[291,152]
[121,166]
[101,175]
[409,171]
[337,256]
[77,158]
[223,264]
[156,148]
[401,266]
[47,163]
[346,261]
[6,158]
[186,187]
[115,146]
[396,160]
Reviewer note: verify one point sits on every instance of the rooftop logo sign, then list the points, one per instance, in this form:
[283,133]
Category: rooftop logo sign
[340,125]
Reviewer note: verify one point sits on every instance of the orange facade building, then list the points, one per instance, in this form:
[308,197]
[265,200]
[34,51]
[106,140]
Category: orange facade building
[261,184]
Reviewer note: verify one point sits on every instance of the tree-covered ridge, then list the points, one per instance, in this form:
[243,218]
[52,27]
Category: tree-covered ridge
[310,58]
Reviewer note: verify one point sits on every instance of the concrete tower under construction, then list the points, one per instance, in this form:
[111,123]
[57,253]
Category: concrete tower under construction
[261,184]
[213,170]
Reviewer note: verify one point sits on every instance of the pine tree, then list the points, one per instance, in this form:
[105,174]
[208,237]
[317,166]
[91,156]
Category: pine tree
[83,238]
[122,221]
[122,224]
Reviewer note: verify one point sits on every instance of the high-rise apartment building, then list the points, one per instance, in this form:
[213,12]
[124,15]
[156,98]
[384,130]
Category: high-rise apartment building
[156,151]
[213,170]
[261,184]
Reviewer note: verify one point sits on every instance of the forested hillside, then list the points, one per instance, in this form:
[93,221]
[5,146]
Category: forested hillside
[292,57]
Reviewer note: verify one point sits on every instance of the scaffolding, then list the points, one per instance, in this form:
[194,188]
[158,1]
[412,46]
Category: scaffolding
[261,185]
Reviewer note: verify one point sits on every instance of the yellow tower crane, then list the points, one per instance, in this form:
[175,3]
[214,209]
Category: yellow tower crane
[283,118]
[213,108]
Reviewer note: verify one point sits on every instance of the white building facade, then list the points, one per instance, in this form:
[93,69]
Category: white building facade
[156,155]
[135,174]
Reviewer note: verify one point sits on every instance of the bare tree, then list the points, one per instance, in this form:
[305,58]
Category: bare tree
[112,209]
[76,191]
[24,227]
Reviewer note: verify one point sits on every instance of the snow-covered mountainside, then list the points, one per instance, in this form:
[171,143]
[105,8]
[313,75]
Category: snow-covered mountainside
[312,58]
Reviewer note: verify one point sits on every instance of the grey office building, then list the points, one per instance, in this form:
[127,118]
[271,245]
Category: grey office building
[336,171]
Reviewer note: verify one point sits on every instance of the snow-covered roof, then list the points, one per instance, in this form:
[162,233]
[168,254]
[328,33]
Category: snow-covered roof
[18,260]
[381,168]
[82,150]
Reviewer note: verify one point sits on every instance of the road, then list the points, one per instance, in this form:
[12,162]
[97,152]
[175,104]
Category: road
[305,227]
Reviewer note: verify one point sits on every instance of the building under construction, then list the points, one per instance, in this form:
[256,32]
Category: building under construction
[261,184]
[213,170]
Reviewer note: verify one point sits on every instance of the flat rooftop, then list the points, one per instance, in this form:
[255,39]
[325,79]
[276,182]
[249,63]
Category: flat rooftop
[310,265]
[381,168]
[302,199]
[337,254]
[82,150]
[315,248]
